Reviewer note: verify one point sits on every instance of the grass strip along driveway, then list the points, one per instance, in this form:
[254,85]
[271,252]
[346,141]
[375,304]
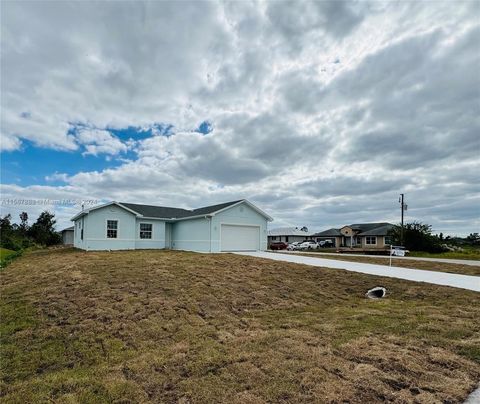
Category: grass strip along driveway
[168,326]
[413,264]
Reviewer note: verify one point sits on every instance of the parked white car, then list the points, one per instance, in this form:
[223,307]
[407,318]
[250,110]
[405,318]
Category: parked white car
[308,245]
[294,246]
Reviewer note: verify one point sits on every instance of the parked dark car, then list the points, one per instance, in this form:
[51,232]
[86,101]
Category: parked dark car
[278,245]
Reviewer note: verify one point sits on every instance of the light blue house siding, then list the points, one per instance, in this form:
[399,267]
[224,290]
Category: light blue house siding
[203,233]
[128,236]
[158,234]
[191,235]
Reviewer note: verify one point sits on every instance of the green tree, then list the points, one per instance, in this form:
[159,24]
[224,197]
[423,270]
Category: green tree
[417,237]
[6,225]
[473,238]
[23,223]
[9,234]
[43,230]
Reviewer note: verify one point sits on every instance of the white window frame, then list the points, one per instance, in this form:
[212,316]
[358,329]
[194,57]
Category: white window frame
[140,231]
[106,228]
[370,237]
[385,240]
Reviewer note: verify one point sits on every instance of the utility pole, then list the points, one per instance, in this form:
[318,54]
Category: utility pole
[403,209]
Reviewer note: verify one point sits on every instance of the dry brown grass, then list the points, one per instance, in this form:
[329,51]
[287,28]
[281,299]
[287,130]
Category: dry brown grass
[164,326]
[413,264]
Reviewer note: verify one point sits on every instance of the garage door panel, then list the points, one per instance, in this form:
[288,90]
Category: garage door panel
[240,238]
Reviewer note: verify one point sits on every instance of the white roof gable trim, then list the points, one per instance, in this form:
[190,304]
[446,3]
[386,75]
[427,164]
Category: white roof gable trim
[268,217]
[86,211]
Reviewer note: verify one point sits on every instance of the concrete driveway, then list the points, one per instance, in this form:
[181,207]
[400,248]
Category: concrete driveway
[473,263]
[437,278]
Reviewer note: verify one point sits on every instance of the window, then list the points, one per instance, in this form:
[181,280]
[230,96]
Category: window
[274,237]
[81,234]
[145,230]
[388,240]
[112,228]
[369,240]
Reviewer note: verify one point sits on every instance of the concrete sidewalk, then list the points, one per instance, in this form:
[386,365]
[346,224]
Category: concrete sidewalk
[418,275]
[444,260]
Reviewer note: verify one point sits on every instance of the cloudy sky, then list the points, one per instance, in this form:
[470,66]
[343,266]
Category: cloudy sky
[319,112]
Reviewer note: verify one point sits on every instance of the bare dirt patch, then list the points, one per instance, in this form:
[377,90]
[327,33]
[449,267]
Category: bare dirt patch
[164,326]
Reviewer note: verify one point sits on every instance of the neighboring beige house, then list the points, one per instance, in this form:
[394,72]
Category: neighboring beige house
[289,234]
[358,235]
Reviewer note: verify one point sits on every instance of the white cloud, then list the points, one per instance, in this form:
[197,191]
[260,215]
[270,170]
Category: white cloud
[322,111]
[98,141]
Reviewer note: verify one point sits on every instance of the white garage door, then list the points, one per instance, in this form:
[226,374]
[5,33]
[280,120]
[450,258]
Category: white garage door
[240,238]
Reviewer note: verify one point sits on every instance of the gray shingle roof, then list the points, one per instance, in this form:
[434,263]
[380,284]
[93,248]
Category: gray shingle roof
[378,231]
[329,233]
[69,228]
[288,231]
[165,212]
[363,227]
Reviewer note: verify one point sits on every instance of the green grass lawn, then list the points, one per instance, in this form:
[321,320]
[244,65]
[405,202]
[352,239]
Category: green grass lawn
[6,256]
[467,254]
[169,326]
[5,253]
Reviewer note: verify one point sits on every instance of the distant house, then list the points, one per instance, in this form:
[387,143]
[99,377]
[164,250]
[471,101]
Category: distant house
[231,226]
[67,236]
[332,235]
[358,235]
[289,234]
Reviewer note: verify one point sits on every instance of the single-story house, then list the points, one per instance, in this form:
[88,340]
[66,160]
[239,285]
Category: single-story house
[359,235]
[232,226]
[289,234]
[67,236]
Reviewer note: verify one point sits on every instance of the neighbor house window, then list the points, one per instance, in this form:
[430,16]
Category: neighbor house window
[388,240]
[146,230]
[112,228]
[371,240]
[274,237]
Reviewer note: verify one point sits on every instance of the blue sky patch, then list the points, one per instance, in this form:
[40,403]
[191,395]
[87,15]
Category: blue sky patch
[205,127]
[31,164]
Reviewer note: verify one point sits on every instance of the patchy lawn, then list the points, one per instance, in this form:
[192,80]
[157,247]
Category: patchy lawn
[468,253]
[414,264]
[165,326]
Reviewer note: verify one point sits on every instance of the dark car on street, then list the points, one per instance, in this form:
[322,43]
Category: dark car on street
[278,245]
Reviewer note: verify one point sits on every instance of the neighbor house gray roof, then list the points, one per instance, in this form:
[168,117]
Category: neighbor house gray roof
[378,231]
[69,229]
[175,213]
[363,227]
[288,231]
[329,233]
